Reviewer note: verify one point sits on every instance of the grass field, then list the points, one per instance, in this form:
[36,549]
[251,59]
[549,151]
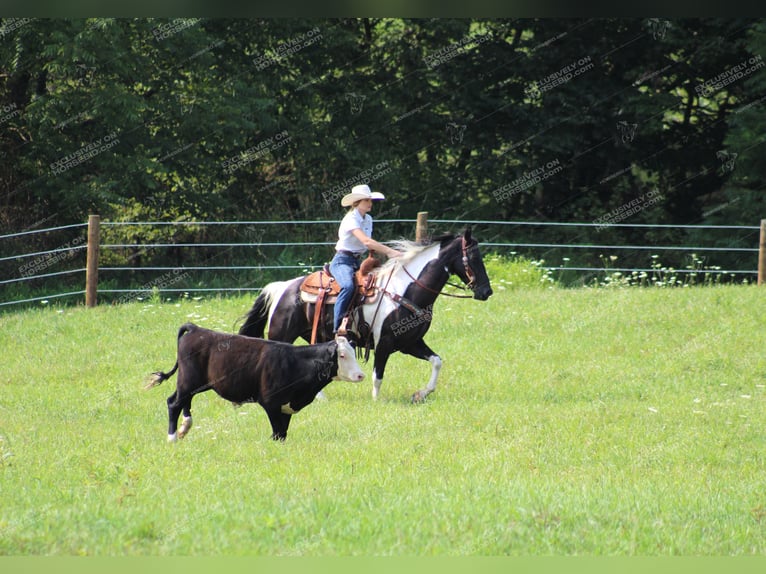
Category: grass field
[566,422]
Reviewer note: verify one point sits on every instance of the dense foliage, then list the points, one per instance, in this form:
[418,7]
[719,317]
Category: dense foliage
[594,120]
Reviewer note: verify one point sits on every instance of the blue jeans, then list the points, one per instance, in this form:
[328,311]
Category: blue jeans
[343,267]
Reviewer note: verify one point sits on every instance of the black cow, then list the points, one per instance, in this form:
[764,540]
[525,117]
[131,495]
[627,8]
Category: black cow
[282,378]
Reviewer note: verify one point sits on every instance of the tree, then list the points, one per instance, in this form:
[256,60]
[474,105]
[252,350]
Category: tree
[532,119]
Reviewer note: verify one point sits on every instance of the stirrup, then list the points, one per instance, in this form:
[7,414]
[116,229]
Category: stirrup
[342,331]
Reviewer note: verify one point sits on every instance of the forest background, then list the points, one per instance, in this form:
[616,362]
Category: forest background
[608,121]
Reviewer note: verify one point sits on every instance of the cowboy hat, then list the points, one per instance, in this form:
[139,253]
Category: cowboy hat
[359,192]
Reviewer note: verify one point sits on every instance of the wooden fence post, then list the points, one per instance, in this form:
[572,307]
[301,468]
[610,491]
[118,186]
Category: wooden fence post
[421,228]
[91,271]
[762,254]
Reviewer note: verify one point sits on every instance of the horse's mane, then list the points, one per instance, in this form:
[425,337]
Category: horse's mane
[411,249]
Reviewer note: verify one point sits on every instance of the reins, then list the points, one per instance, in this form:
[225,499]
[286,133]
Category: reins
[434,291]
[404,302]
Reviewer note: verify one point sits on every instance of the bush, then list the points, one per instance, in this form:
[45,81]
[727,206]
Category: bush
[695,273]
[516,272]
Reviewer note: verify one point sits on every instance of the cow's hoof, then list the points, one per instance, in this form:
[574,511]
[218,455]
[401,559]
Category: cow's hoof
[186,426]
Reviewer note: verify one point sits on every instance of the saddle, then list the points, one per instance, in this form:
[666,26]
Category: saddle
[323,282]
[320,287]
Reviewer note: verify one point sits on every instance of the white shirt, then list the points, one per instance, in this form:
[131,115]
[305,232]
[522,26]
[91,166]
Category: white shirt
[346,240]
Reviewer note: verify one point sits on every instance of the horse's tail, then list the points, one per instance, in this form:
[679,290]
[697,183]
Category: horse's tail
[159,377]
[258,316]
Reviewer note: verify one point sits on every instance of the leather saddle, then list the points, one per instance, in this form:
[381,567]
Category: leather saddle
[323,281]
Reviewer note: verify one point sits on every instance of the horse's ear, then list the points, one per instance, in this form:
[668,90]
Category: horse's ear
[467,234]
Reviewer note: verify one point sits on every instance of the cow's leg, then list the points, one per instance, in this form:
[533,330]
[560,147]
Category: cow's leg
[186,423]
[279,423]
[175,407]
[189,383]
[174,410]
[420,350]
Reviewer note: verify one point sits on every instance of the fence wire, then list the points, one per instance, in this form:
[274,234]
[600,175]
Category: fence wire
[43,259]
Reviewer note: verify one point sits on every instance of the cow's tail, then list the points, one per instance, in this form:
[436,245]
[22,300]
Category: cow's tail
[258,315]
[159,377]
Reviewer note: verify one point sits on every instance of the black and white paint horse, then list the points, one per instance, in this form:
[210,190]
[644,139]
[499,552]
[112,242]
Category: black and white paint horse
[400,315]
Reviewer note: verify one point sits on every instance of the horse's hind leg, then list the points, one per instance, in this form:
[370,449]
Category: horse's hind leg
[420,350]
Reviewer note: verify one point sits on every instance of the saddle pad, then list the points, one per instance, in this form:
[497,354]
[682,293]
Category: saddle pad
[307,297]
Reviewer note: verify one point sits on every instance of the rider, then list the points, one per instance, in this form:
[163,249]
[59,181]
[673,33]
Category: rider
[354,237]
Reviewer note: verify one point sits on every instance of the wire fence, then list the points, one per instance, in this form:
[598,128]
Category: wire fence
[137,259]
[546,250]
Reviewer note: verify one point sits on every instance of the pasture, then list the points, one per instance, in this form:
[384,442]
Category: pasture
[586,421]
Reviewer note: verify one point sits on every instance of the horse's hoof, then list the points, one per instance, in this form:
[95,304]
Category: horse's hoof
[418,398]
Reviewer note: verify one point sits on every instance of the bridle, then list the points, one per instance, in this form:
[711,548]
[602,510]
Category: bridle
[399,299]
[468,272]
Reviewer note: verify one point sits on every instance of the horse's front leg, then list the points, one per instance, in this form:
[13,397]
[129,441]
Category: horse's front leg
[420,350]
[383,350]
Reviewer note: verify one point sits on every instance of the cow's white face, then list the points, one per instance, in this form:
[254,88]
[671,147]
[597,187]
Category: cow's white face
[348,368]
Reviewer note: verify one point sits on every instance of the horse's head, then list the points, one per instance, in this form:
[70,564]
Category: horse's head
[467,264]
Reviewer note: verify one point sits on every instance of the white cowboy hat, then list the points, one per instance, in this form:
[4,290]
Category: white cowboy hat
[360,192]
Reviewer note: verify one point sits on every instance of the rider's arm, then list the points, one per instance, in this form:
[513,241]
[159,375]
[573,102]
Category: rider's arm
[373,245]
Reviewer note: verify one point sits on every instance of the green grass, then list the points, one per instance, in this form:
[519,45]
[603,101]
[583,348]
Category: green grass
[566,422]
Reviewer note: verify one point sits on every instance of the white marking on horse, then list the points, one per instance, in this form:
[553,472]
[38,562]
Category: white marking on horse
[398,284]
[274,292]
[376,382]
[436,364]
